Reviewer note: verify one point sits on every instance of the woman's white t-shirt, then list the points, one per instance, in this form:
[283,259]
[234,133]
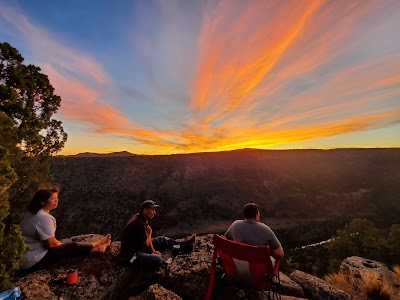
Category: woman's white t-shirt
[35,229]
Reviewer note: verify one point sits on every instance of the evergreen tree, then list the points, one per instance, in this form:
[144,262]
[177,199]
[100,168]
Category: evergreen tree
[29,136]
[360,238]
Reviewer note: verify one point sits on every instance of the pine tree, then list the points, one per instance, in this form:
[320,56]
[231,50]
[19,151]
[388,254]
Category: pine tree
[28,138]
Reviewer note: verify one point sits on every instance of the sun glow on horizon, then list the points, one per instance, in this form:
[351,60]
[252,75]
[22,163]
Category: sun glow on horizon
[214,76]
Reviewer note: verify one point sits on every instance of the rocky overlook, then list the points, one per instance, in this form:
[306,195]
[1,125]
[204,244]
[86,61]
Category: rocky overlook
[104,277]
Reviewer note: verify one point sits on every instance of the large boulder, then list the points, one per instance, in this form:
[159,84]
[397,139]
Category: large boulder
[358,268]
[99,276]
[188,275]
[316,288]
[290,287]
[156,292]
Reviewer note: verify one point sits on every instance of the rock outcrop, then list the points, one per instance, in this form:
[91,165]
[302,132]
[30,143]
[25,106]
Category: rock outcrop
[156,292]
[103,276]
[316,288]
[360,268]
[99,276]
[188,274]
[290,287]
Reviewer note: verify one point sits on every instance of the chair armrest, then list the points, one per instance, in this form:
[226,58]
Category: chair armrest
[275,271]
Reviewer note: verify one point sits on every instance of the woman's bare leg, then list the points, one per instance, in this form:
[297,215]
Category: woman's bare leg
[101,248]
[104,240]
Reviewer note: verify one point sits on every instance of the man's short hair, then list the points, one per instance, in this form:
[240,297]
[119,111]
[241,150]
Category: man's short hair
[250,211]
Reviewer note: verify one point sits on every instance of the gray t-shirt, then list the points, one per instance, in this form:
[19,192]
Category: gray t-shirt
[35,229]
[253,233]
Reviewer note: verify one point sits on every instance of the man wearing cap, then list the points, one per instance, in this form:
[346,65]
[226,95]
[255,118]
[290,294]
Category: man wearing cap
[253,232]
[137,244]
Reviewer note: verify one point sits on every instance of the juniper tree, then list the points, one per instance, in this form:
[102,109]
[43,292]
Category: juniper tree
[29,136]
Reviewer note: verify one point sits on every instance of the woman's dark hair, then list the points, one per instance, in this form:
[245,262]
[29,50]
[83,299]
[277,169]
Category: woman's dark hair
[39,200]
[250,211]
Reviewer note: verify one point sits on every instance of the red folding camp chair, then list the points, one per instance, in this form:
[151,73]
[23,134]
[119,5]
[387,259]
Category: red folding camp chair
[246,265]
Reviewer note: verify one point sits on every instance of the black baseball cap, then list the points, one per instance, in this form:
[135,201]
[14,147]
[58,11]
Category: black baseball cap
[149,204]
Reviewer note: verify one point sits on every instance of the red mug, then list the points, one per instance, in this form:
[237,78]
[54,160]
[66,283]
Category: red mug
[72,276]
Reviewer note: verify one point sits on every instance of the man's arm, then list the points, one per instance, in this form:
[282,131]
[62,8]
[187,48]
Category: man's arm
[278,253]
[149,243]
[274,244]
[228,233]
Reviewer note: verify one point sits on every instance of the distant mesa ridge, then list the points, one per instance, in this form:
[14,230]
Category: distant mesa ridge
[90,154]
[127,154]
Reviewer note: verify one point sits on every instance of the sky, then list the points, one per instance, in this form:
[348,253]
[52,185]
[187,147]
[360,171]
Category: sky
[163,77]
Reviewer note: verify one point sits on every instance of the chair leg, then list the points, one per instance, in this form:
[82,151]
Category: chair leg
[274,291]
[273,294]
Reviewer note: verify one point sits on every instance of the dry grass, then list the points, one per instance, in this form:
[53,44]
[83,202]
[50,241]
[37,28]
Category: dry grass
[369,287]
[340,281]
[373,289]
[396,269]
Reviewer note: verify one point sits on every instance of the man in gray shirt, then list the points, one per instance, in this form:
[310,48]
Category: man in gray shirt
[252,232]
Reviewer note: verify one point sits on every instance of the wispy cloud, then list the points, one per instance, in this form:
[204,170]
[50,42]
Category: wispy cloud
[84,106]
[306,63]
[77,77]
[221,75]
[48,49]
[228,76]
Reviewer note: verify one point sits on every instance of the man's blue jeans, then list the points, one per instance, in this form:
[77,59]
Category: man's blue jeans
[154,261]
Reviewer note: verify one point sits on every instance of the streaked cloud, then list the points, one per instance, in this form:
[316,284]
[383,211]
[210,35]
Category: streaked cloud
[220,75]
[47,49]
[307,64]
[76,76]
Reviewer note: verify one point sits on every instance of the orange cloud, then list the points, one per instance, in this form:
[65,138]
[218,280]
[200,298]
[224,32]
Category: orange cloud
[82,103]
[238,95]
[226,76]
[263,137]
[326,36]
[48,49]
[268,73]
[243,70]
[70,88]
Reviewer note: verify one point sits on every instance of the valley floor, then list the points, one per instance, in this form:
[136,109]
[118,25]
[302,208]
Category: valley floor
[220,226]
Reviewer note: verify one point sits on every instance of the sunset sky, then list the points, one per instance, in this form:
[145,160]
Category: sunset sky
[160,77]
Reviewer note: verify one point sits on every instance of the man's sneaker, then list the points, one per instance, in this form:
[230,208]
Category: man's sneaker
[168,261]
[190,243]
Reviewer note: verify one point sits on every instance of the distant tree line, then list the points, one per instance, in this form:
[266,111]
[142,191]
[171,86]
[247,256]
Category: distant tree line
[360,237]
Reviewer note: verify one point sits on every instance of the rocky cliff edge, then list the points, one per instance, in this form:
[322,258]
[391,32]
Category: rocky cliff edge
[104,276]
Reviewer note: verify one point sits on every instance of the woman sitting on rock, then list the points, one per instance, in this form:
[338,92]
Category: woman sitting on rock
[39,227]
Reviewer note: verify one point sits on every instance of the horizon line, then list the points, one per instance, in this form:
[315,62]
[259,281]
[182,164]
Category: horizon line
[238,149]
